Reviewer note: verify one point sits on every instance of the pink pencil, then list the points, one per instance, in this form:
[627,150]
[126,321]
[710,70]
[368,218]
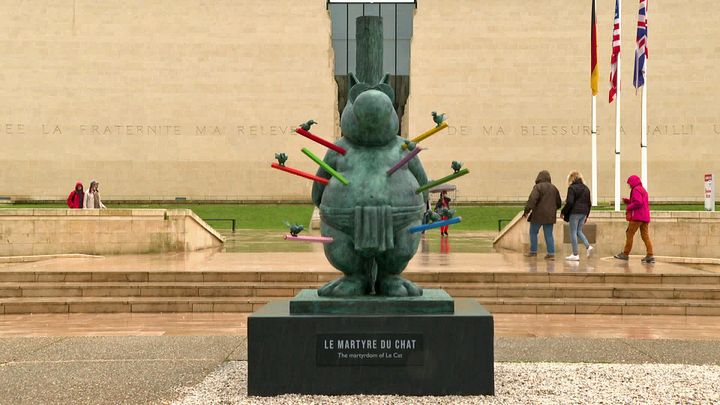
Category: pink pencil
[319,239]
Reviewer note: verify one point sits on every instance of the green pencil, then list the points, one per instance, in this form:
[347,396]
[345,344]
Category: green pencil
[445,179]
[325,166]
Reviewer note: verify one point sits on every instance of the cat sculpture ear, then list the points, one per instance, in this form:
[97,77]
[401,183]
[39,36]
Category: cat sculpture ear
[385,87]
[352,79]
[355,87]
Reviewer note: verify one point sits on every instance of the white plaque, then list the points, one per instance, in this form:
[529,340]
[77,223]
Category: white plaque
[709,192]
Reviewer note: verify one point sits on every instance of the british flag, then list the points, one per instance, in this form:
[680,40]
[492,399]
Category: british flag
[641,52]
[615,55]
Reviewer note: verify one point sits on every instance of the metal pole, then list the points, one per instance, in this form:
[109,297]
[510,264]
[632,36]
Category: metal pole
[594,152]
[644,140]
[594,68]
[617,115]
[643,120]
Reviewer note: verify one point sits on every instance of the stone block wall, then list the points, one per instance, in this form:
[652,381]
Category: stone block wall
[26,232]
[514,79]
[162,99]
[165,99]
[673,233]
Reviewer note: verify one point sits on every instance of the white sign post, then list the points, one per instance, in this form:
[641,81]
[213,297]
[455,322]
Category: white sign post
[709,192]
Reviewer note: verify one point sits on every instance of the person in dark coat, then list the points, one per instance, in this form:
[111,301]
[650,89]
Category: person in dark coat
[576,211]
[541,211]
[76,197]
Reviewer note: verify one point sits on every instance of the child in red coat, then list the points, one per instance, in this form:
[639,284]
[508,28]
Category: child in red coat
[443,203]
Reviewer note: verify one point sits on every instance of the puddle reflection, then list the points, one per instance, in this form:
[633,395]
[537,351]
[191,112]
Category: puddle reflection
[254,240]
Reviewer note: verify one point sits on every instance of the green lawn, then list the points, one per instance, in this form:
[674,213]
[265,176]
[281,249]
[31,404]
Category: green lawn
[252,216]
[484,217]
[272,216]
[247,216]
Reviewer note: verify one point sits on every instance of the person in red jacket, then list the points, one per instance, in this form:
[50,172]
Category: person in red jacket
[637,214]
[76,197]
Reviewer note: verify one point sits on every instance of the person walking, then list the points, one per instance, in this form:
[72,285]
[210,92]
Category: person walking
[576,211]
[443,204]
[92,197]
[541,211]
[76,197]
[637,213]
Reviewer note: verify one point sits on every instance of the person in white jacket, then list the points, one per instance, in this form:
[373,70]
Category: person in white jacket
[92,197]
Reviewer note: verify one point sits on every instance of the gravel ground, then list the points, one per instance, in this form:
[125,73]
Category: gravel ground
[515,383]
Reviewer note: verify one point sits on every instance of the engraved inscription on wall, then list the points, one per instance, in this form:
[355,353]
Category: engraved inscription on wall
[489,130]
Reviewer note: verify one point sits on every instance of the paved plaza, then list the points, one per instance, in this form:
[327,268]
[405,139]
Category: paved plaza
[213,369]
[342,197]
[259,250]
[198,358]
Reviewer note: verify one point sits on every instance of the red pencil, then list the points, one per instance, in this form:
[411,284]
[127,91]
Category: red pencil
[321,141]
[300,173]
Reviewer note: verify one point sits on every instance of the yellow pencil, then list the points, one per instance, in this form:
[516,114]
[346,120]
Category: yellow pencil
[428,133]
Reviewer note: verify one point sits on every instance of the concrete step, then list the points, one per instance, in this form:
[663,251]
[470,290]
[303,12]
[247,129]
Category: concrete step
[574,290]
[249,304]
[324,276]
[229,291]
[26,305]
[610,306]
[289,289]
[153,289]
[163,276]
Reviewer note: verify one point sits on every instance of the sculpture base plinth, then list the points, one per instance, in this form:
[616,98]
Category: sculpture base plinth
[433,301]
[394,354]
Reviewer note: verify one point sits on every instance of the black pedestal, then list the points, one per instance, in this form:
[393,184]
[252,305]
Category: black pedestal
[446,354]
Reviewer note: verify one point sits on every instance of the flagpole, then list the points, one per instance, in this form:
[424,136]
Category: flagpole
[617,115]
[643,139]
[594,152]
[643,118]
[594,87]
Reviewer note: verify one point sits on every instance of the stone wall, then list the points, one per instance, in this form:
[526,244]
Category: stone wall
[514,78]
[164,99]
[25,232]
[673,233]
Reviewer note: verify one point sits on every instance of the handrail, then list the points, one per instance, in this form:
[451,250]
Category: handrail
[223,219]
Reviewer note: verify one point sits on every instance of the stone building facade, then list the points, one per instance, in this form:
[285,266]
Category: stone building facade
[183,98]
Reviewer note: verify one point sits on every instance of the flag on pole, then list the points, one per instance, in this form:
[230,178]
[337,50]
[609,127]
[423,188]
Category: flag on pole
[641,52]
[615,53]
[593,53]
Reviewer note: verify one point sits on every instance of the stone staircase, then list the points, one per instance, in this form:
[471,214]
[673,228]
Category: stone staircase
[228,291]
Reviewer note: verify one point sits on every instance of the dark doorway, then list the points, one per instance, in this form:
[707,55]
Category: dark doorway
[397,34]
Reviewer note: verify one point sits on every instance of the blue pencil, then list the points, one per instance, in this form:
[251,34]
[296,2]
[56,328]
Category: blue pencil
[438,224]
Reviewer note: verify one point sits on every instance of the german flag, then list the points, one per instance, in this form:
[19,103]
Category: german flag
[593,53]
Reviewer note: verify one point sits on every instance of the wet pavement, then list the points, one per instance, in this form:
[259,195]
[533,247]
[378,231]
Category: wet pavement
[159,369]
[268,251]
[142,358]
[243,241]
